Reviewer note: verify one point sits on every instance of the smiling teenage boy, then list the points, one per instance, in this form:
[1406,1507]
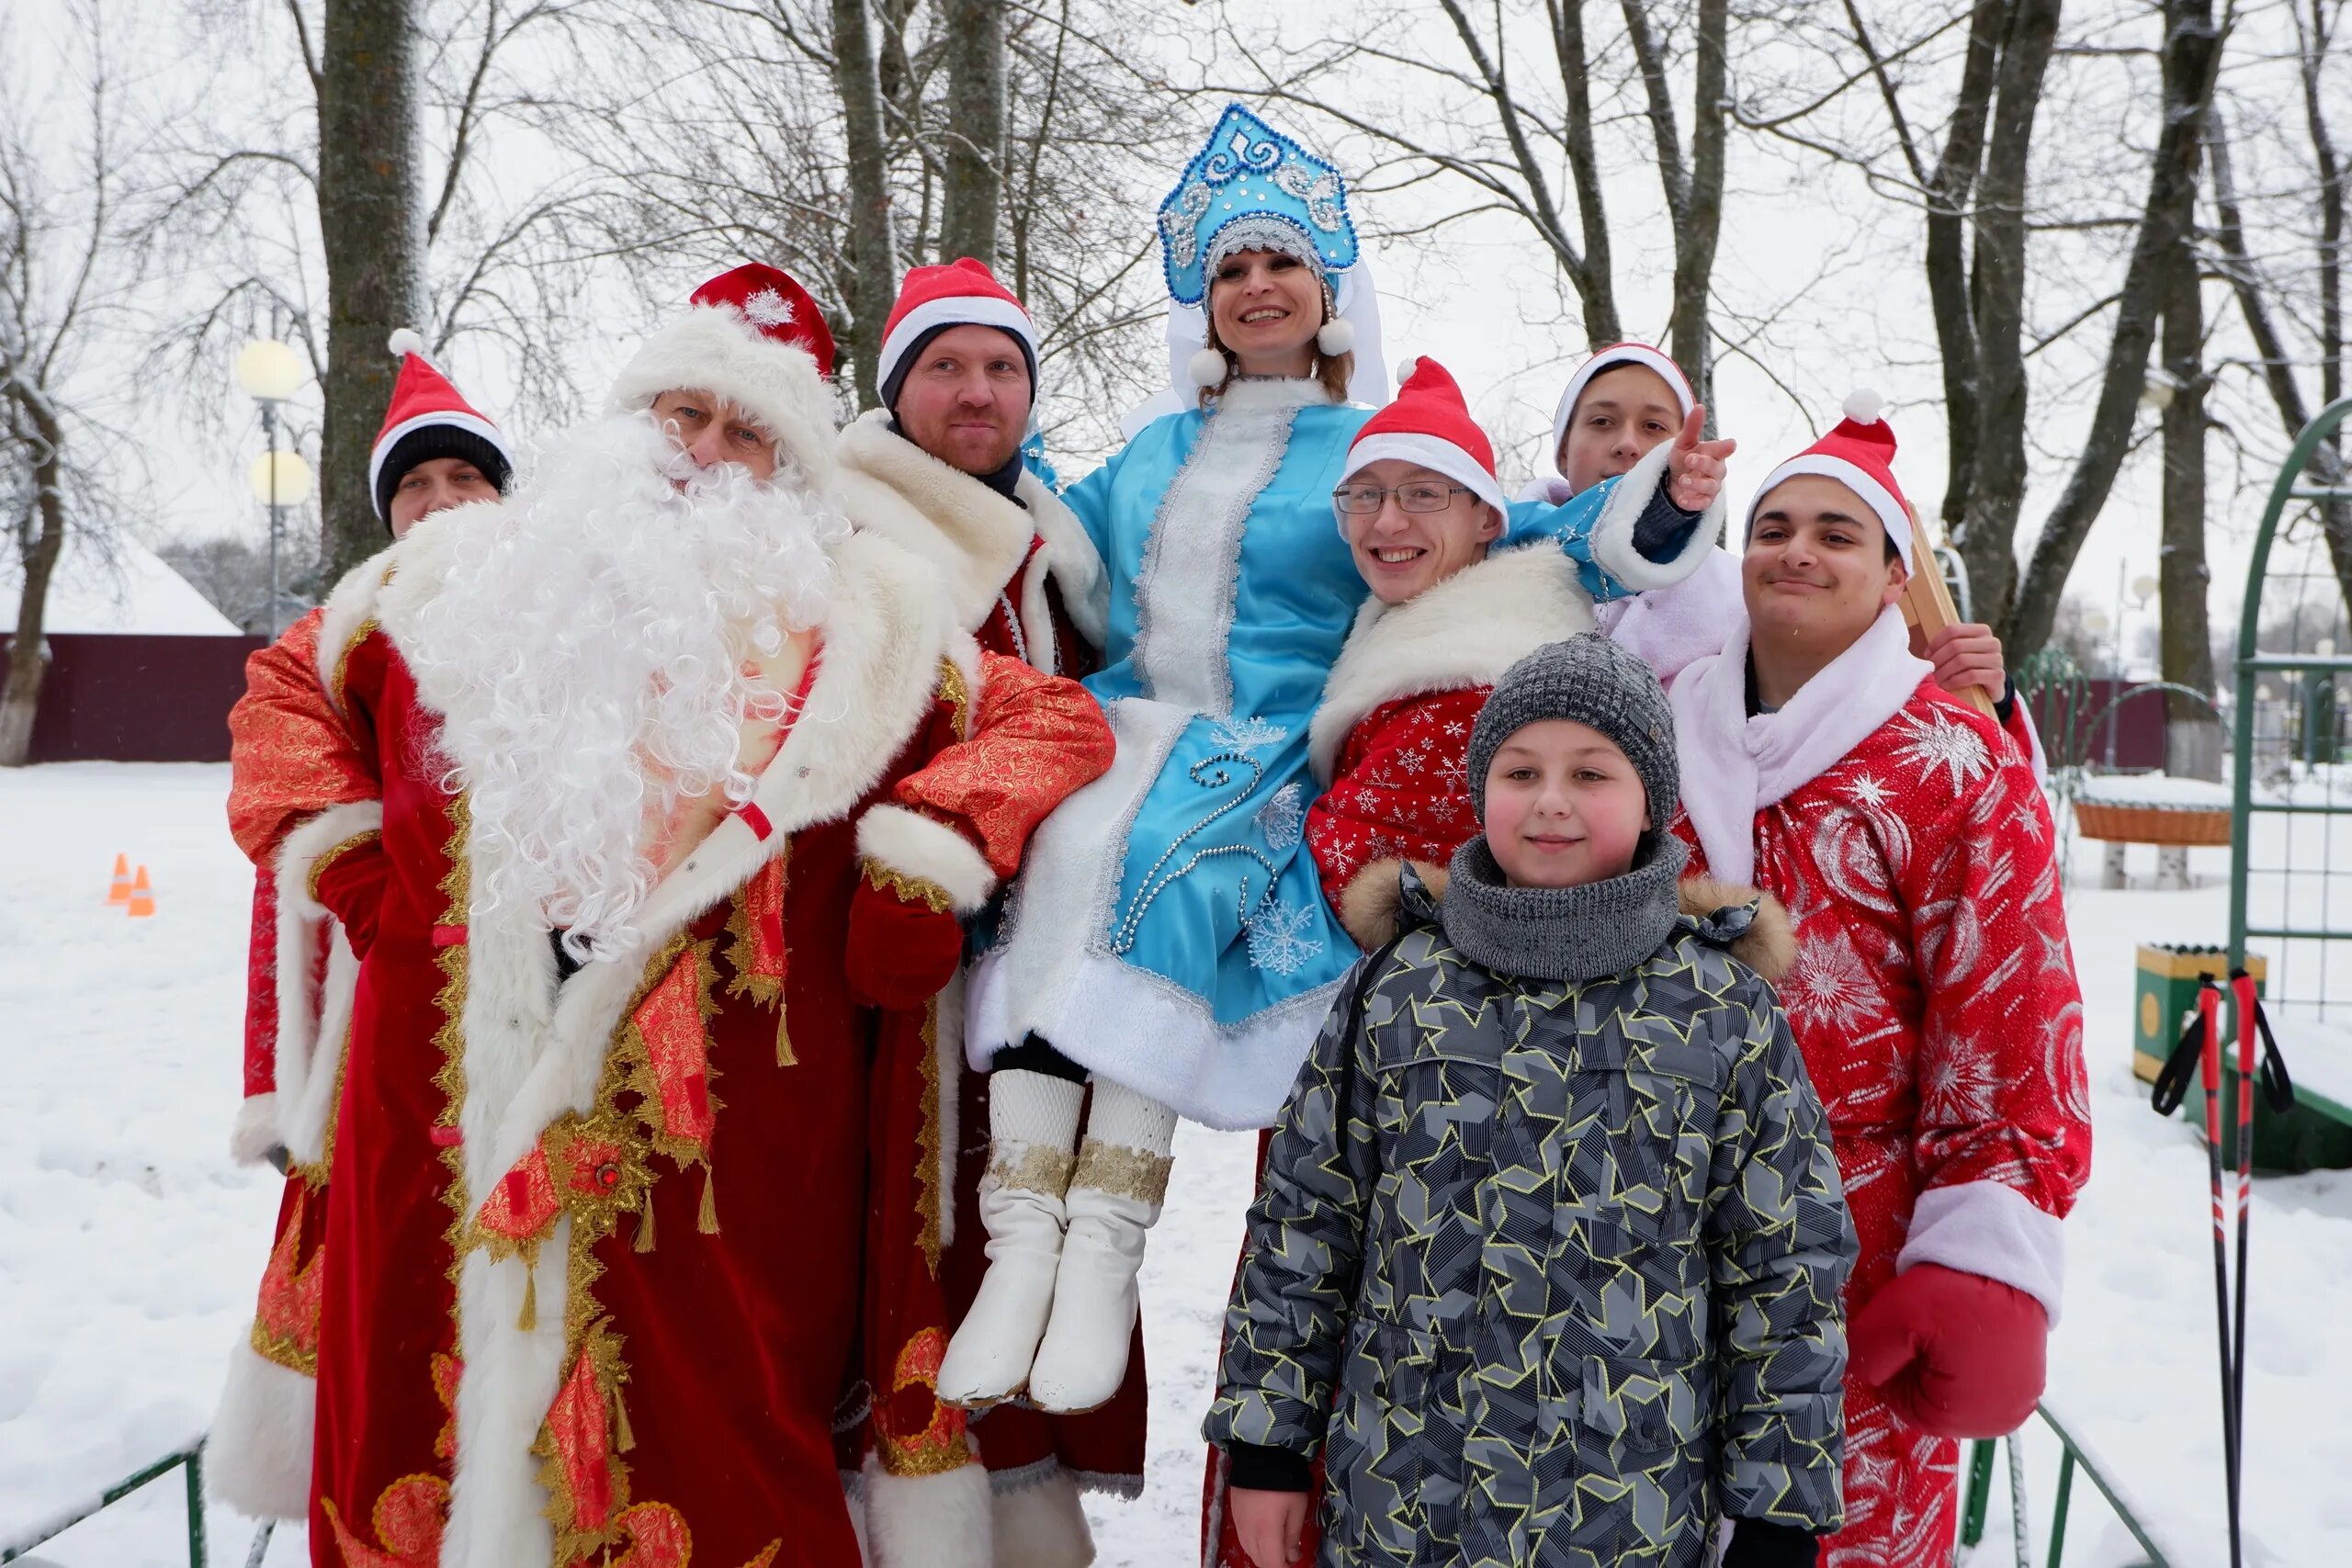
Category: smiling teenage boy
[1545,1265]
[1933,992]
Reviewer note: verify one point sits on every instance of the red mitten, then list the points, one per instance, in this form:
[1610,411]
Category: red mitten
[1955,1354]
[903,947]
[350,887]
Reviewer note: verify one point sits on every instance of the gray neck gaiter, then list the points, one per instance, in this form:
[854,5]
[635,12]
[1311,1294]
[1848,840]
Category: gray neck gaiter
[1568,934]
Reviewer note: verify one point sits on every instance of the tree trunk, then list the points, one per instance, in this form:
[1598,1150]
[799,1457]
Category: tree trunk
[2193,736]
[873,247]
[1997,476]
[1951,189]
[974,173]
[1694,241]
[370,225]
[2192,49]
[2271,349]
[27,655]
[1593,277]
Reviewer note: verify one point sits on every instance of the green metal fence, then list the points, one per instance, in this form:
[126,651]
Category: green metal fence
[190,1459]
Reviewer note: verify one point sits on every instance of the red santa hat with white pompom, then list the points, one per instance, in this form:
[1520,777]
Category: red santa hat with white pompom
[429,419]
[753,336]
[1860,455]
[1429,425]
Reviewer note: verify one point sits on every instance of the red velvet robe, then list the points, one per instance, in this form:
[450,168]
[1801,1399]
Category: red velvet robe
[303,785]
[614,1227]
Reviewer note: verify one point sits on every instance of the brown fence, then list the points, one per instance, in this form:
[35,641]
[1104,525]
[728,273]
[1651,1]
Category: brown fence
[132,698]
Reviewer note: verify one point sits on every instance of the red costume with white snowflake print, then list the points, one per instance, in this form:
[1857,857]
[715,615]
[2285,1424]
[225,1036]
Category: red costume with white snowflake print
[1933,996]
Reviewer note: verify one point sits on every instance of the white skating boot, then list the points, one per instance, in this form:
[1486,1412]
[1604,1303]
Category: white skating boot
[1114,1196]
[1033,1119]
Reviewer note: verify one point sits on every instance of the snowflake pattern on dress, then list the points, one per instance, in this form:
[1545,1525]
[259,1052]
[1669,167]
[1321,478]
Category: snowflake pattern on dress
[1283,816]
[1402,789]
[1247,735]
[1278,940]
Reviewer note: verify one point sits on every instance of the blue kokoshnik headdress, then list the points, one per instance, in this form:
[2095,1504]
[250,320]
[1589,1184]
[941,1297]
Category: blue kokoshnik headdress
[1251,187]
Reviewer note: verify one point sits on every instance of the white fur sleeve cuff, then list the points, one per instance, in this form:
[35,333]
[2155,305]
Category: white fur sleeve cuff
[1613,549]
[1983,1227]
[917,847]
[255,1133]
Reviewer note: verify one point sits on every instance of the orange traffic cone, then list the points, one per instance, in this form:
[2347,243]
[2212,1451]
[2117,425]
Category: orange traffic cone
[119,892]
[142,898]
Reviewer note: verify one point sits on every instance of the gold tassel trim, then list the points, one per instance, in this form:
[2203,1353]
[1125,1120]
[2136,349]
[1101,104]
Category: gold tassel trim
[784,1054]
[529,1320]
[623,1439]
[645,1225]
[707,1221]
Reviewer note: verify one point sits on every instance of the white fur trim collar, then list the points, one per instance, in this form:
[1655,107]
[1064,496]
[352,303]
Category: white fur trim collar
[314,1020]
[973,537]
[1464,631]
[1735,765]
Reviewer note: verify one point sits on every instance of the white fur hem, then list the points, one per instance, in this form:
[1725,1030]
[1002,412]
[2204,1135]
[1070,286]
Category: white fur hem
[255,1133]
[915,846]
[1612,535]
[1984,1227]
[929,1521]
[257,1455]
[1039,1522]
[1137,1030]
[312,1020]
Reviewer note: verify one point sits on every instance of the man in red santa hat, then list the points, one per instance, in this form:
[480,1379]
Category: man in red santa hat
[689,786]
[301,775]
[1933,991]
[938,471]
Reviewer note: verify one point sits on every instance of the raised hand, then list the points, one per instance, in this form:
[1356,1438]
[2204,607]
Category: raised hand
[1695,471]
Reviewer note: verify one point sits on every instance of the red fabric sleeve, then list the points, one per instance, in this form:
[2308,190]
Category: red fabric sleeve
[349,882]
[1034,741]
[1400,792]
[261,985]
[2002,1096]
[291,754]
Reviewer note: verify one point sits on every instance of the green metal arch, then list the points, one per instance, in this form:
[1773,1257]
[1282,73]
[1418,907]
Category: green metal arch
[2251,662]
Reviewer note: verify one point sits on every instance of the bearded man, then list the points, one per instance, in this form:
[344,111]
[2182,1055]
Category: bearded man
[302,780]
[938,469]
[691,786]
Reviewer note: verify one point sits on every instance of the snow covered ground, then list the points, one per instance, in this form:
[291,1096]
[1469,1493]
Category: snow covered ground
[130,1245]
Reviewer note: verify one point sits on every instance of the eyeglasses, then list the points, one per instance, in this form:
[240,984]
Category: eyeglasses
[1420,495]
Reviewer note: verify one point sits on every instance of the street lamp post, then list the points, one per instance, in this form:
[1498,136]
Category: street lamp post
[270,372]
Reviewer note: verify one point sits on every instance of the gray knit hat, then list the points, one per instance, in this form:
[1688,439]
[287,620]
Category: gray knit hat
[1590,679]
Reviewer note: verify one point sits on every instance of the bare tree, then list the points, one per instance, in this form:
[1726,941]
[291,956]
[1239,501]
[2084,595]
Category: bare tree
[2192,735]
[372,230]
[972,176]
[2190,58]
[1511,105]
[824,135]
[62,266]
[378,210]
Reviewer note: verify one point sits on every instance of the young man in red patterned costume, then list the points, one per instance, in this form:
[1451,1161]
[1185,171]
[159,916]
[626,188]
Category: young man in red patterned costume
[685,787]
[302,776]
[938,471]
[1933,992]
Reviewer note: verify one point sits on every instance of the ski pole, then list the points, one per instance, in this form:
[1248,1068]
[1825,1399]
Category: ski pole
[2242,993]
[2209,1008]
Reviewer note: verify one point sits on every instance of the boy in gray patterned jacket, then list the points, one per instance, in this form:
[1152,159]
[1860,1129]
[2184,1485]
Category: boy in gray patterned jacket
[1547,1263]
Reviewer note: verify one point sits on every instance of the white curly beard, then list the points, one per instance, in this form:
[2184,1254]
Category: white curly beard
[588,651]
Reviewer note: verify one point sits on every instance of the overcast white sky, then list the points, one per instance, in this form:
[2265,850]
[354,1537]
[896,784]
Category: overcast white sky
[1806,244]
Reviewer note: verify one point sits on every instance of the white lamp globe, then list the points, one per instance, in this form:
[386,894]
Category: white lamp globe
[269,371]
[290,474]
